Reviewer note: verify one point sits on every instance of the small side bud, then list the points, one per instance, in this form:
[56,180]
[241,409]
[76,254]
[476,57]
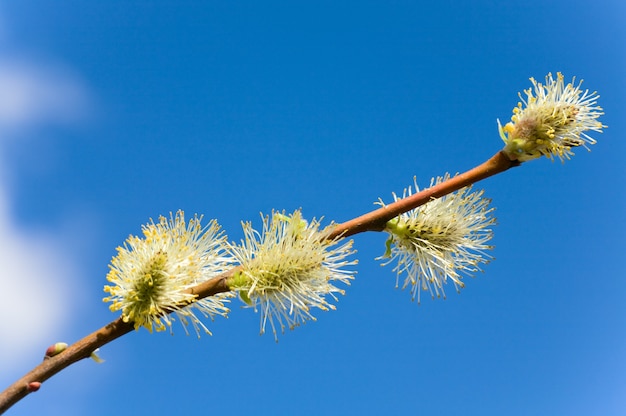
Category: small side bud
[388,250]
[243,295]
[55,349]
[33,386]
[94,356]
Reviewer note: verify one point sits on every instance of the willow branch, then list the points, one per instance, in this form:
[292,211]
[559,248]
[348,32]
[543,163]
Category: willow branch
[376,220]
[372,221]
[52,365]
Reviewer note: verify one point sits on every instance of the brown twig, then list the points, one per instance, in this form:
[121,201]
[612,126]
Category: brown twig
[376,220]
[372,221]
[52,365]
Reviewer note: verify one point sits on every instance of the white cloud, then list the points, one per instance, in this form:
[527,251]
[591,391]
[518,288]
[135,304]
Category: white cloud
[35,289]
[37,276]
[32,93]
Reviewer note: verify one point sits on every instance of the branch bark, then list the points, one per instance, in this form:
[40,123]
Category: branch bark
[372,221]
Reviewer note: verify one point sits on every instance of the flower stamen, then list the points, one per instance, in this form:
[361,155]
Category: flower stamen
[445,238]
[551,120]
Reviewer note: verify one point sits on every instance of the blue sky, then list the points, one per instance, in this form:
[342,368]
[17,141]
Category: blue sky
[115,112]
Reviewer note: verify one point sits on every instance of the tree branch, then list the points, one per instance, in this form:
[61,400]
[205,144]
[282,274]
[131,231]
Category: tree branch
[372,221]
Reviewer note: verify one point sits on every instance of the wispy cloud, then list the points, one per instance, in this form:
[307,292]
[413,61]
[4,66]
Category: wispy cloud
[36,93]
[37,276]
[35,289]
